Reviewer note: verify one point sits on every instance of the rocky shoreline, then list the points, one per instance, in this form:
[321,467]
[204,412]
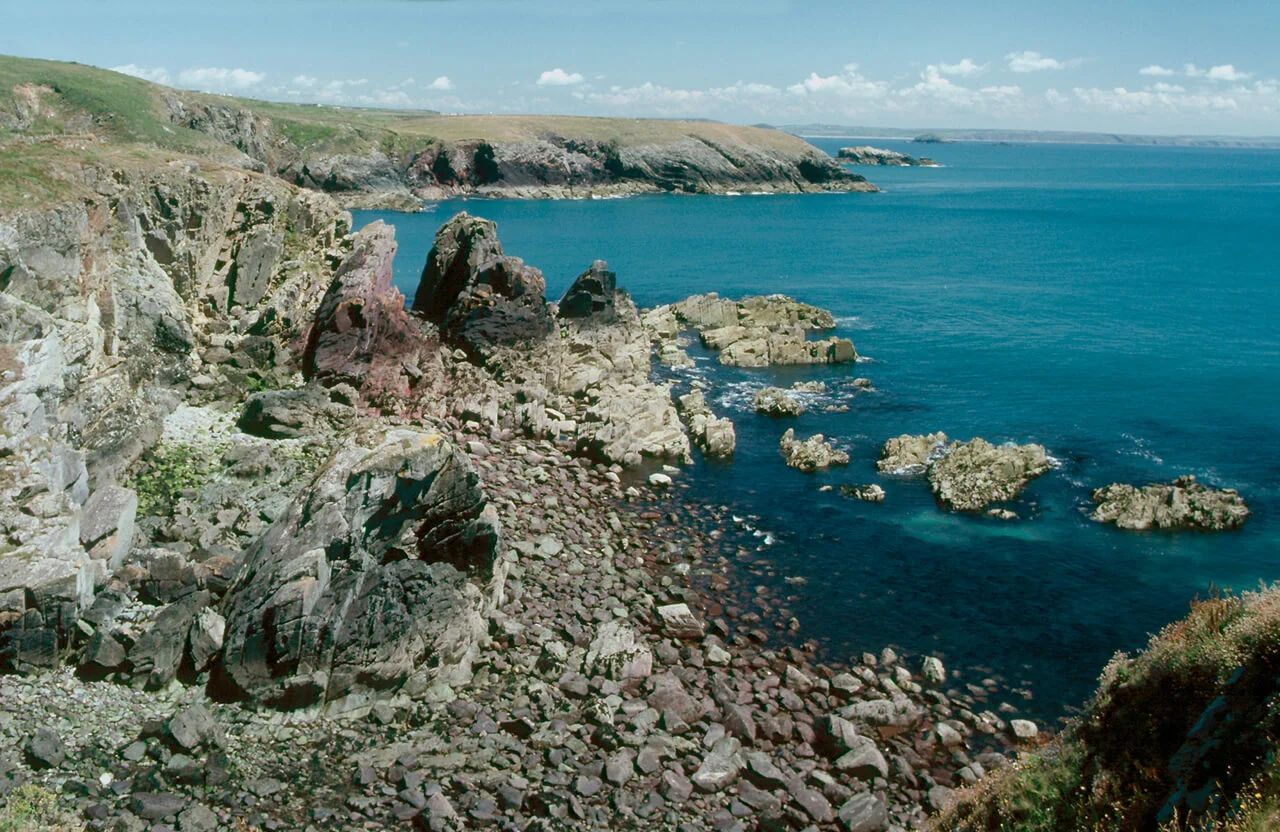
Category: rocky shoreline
[282,554]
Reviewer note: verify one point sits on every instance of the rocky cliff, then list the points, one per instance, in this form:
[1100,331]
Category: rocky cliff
[381,158]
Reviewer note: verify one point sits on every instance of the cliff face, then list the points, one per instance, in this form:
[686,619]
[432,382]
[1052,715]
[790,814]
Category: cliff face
[549,164]
[110,310]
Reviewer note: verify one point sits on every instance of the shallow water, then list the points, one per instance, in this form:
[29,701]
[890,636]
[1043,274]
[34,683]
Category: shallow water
[1119,305]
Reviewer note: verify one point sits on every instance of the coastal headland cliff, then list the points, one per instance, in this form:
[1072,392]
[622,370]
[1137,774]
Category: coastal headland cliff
[395,158]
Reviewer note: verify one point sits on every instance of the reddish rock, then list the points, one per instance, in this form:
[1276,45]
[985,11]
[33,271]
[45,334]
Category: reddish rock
[362,334]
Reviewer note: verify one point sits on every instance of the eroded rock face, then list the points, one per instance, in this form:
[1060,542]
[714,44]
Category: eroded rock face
[867,155]
[361,587]
[812,454]
[1182,504]
[362,334]
[480,297]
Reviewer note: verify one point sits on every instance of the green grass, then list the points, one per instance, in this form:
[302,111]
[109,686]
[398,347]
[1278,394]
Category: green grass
[30,808]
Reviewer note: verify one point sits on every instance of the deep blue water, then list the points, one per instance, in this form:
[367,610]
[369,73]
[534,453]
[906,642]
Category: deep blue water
[1120,305]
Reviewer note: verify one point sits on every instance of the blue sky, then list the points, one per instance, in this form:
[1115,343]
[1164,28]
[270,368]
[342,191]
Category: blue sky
[1142,67]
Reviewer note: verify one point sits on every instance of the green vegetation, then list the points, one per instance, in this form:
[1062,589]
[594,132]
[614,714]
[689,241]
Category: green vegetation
[170,470]
[30,808]
[1204,690]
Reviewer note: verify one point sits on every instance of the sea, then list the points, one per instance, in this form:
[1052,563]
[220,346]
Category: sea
[1119,305]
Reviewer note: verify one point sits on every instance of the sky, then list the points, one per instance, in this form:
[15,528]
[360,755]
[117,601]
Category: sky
[1173,67]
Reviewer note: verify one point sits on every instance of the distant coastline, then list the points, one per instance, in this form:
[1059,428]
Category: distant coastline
[827,131]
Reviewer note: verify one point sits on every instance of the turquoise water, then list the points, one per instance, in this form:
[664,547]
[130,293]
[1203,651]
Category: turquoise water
[1119,305]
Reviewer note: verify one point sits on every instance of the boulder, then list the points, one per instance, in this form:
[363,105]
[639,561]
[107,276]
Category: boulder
[362,335]
[618,653]
[480,297]
[1182,504]
[971,476]
[361,586]
[285,414]
[591,294]
[774,401]
[812,454]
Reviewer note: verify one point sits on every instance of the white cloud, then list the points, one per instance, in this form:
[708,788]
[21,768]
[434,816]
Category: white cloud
[155,74]
[1157,70]
[849,84]
[217,78]
[1029,61]
[964,69]
[442,84]
[305,81]
[559,78]
[1192,72]
[1227,72]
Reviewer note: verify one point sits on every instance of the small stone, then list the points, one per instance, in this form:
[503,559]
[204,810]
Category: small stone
[197,818]
[1024,729]
[156,805]
[933,671]
[675,786]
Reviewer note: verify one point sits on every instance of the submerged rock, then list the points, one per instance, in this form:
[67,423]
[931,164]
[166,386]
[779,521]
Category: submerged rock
[872,493]
[1182,504]
[361,586]
[812,454]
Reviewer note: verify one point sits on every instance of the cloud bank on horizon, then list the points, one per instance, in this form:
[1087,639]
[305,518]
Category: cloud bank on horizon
[936,94]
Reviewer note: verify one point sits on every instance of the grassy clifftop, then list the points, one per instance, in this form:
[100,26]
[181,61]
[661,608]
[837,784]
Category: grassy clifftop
[1182,736]
[55,116]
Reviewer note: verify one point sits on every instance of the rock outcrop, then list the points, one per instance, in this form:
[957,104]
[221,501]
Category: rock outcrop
[812,454]
[362,335]
[591,294]
[971,476]
[867,155]
[763,331]
[966,476]
[480,297]
[1182,504]
[774,401]
[361,587]
[713,434]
